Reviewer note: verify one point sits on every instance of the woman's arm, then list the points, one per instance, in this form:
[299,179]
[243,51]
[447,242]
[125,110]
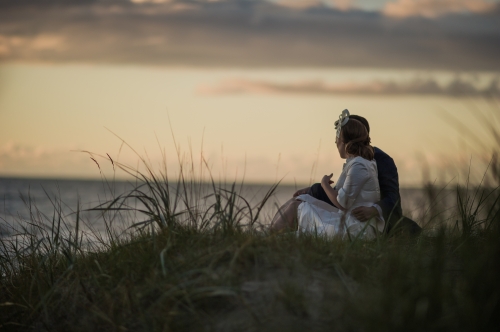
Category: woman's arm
[330,192]
[356,177]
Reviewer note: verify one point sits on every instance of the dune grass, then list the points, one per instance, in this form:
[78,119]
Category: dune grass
[198,261]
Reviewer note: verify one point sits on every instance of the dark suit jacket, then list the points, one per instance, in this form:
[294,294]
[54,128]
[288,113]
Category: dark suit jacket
[388,178]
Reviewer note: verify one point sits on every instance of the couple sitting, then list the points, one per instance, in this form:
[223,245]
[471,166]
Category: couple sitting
[365,201]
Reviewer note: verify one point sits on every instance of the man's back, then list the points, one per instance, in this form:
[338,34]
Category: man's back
[388,178]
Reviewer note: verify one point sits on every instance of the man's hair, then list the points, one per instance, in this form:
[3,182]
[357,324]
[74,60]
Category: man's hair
[362,120]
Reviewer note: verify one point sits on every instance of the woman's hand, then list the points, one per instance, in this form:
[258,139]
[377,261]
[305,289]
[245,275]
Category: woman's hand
[330,192]
[327,180]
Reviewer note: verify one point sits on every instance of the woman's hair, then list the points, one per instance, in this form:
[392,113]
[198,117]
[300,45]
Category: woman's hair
[357,139]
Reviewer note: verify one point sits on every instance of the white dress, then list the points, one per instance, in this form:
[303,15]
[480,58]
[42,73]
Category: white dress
[357,186]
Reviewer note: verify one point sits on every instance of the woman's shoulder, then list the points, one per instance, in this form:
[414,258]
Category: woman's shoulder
[360,165]
[360,161]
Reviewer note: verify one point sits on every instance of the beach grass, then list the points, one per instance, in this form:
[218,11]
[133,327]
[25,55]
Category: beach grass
[192,260]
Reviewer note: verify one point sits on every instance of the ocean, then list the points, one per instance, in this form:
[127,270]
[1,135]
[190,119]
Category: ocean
[22,199]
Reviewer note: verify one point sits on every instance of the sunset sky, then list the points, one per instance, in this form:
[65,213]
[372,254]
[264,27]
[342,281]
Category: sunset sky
[254,86]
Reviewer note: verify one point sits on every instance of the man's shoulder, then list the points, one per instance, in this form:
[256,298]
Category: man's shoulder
[384,161]
[380,155]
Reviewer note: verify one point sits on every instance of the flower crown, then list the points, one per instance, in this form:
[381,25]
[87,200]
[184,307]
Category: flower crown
[343,119]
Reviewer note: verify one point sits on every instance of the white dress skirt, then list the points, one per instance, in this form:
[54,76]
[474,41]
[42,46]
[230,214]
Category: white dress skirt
[357,186]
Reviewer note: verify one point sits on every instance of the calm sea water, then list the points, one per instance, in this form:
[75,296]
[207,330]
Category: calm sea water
[23,199]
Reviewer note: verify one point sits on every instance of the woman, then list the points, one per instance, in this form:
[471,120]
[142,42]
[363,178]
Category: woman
[357,186]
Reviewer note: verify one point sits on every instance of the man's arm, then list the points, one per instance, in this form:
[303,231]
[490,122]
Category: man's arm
[365,213]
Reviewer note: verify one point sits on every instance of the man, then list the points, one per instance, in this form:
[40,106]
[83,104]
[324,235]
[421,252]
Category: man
[389,207]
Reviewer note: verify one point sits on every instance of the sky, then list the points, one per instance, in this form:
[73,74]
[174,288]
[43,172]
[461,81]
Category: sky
[252,87]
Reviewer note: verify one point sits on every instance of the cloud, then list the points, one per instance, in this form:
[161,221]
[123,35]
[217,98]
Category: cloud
[25,46]
[45,3]
[306,4]
[150,1]
[435,8]
[299,4]
[343,4]
[240,33]
[455,88]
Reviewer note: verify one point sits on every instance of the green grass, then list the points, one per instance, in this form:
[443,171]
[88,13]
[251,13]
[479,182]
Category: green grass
[188,266]
[201,280]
